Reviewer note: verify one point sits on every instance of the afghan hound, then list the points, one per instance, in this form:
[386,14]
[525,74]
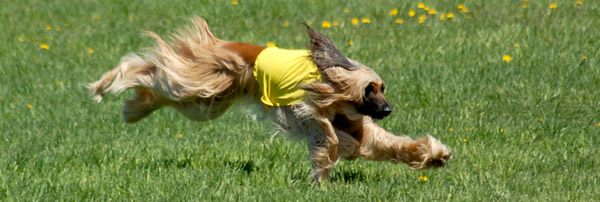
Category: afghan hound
[317,95]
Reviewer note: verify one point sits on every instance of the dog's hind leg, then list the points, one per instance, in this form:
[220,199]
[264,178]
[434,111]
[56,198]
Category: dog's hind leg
[143,104]
[132,72]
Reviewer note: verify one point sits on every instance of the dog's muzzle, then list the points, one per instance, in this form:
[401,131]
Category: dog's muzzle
[380,114]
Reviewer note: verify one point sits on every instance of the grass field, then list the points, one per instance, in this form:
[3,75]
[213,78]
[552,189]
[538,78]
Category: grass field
[510,86]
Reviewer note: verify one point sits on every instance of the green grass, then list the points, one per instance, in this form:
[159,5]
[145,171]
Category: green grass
[525,130]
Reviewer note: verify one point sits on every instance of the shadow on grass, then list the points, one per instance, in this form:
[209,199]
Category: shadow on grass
[167,164]
[245,166]
[344,176]
[348,176]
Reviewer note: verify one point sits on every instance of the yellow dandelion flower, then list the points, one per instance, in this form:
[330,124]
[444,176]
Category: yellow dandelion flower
[399,21]
[598,124]
[411,13]
[21,39]
[585,57]
[67,24]
[271,44]
[393,12]
[465,140]
[443,17]
[405,105]
[346,10]
[44,46]
[421,5]
[286,23]
[350,42]
[366,20]
[432,12]
[423,178]
[234,2]
[525,1]
[426,8]
[506,58]
[180,135]
[326,24]
[462,8]
[90,50]
[451,129]
[524,6]
[540,119]
[579,2]
[355,21]
[58,29]
[48,27]
[29,106]
[336,23]
[468,129]
[450,15]
[422,19]
[501,130]
[96,18]
[553,5]
[516,45]
[59,83]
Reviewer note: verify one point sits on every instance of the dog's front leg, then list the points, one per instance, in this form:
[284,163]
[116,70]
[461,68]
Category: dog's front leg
[319,156]
[322,146]
[332,139]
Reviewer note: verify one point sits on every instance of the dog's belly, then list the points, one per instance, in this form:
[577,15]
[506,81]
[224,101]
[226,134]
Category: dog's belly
[203,109]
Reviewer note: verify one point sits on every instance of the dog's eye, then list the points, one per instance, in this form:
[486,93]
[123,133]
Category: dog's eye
[369,89]
[383,88]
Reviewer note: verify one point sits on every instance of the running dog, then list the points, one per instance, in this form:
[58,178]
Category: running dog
[317,95]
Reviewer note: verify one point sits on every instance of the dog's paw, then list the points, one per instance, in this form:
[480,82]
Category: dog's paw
[431,153]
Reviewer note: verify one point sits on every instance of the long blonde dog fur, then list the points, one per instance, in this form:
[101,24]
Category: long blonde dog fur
[198,75]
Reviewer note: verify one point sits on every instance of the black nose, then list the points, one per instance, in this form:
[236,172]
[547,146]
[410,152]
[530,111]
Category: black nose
[387,110]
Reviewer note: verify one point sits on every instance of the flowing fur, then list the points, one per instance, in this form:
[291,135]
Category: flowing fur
[198,76]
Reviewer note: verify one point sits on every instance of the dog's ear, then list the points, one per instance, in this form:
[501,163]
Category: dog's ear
[324,53]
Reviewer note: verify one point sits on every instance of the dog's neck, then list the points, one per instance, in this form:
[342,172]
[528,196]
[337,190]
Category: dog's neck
[247,51]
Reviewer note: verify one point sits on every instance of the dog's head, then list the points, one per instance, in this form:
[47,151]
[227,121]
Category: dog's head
[428,152]
[347,80]
[373,102]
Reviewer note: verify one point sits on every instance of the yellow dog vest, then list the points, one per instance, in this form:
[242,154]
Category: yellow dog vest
[279,72]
